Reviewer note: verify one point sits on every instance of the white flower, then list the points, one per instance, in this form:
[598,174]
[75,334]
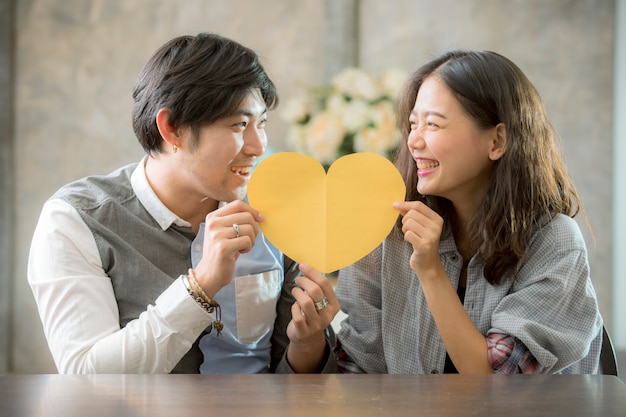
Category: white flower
[324,135]
[383,136]
[295,110]
[392,81]
[297,138]
[355,113]
[335,102]
[355,82]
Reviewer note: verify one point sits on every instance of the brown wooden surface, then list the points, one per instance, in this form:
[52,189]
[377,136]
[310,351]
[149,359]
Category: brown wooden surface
[311,395]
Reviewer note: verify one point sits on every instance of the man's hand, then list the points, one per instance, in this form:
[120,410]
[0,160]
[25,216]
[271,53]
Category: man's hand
[229,231]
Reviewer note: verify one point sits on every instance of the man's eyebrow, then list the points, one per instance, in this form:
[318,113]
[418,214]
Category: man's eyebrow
[248,112]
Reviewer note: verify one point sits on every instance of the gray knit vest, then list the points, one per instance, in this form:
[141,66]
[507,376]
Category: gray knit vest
[140,258]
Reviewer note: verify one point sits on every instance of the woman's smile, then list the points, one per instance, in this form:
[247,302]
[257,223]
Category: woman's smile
[425,166]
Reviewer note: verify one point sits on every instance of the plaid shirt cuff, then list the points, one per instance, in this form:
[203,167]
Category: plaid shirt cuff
[345,364]
[508,355]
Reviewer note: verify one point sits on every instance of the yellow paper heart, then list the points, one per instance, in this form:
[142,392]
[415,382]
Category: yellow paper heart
[328,221]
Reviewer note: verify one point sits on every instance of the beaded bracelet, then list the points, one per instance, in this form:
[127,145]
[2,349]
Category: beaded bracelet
[204,301]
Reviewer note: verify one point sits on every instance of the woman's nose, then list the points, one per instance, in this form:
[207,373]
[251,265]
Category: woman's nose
[415,139]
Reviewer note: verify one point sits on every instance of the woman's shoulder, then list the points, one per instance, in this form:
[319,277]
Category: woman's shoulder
[560,232]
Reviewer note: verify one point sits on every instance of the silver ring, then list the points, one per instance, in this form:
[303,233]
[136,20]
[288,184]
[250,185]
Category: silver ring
[321,304]
[236,229]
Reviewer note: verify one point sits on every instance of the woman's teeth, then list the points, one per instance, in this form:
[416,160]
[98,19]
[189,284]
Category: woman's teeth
[427,164]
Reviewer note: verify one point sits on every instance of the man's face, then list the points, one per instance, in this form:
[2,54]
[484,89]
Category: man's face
[219,165]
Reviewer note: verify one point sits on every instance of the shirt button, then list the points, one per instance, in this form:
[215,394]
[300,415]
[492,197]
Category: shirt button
[198,247]
[434,371]
[454,258]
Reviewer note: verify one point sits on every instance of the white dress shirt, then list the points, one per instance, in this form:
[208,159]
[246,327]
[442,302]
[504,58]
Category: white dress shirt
[78,308]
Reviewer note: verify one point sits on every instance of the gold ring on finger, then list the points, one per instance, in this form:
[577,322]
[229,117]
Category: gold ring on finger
[321,304]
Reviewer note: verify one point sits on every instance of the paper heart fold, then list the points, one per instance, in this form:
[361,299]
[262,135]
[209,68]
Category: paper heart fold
[327,220]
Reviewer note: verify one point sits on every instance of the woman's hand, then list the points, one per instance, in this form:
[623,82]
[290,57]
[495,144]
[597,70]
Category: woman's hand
[422,228]
[229,231]
[315,307]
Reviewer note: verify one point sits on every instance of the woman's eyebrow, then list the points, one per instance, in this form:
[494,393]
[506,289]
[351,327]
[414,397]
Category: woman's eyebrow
[429,113]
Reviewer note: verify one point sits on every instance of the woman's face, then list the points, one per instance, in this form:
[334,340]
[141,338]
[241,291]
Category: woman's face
[454,157]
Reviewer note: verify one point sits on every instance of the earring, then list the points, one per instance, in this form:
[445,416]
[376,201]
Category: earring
[175,148]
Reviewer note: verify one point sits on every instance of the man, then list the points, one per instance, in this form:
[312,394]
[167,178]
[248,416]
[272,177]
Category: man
[160,266]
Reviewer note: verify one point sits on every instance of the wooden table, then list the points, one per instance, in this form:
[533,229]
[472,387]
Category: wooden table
[311,395]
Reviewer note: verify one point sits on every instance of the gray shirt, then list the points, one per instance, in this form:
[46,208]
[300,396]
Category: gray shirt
[551,306]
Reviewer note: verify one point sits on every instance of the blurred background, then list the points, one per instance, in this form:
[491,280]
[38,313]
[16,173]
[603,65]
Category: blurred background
[67,69]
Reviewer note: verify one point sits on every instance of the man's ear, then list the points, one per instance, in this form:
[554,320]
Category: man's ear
[499,142]
[169,133]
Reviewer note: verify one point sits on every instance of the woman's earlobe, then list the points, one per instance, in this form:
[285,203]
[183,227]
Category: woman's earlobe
[500,142]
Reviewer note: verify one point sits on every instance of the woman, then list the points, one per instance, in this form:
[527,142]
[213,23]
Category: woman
[486,270]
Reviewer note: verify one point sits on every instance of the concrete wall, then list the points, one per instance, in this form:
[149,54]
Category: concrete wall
[619,185]
[7,181]
[76,62]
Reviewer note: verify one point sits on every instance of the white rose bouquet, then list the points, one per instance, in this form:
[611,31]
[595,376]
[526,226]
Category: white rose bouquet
[354,113]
